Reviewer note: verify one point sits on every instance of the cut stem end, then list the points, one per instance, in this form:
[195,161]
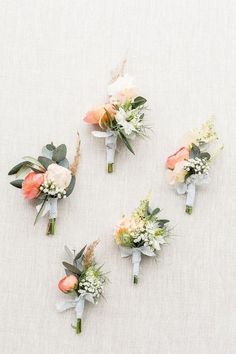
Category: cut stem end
[110,168]
[78,326]
[189,209]
[135,279]
[51,227]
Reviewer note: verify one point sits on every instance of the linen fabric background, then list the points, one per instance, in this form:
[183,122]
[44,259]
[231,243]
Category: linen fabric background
[55,63]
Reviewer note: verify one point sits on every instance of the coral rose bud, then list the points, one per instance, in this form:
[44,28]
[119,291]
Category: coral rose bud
[180,155]
[31,184]
[98,114]
[68,284]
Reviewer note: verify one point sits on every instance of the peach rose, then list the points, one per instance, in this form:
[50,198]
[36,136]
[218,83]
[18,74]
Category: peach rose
[68,284]
[98,114]
[177,175]
[31,184]
[180,155]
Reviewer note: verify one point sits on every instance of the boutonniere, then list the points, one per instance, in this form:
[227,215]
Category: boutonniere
[190,165]
[84,281]
[143,233]
[121,117]
[47,179]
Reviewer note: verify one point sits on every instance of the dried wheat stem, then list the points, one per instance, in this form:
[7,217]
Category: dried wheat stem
[89,254]
[119,71]
[75,163]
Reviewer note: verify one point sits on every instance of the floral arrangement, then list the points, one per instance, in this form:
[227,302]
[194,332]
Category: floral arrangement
[48,178]
[121,117]
[141,233]
[190,165]
[84,280]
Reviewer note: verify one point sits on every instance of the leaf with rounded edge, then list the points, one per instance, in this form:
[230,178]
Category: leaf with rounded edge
[64,163]
[195,151]
[45,161]
[59,153]
[34,162]
[138,101]
[205,155]
[23,171]
[46,152]
[71,186]
[50,147]
[17,167]
[17,183]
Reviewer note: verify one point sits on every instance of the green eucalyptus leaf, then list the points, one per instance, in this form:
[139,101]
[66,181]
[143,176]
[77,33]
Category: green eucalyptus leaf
[64,163]
[36,170]
[59,153]
[17,183]
[50,147]
[34,162]
[46,152]
[138,101]
[205,155]
[17,167]
[71,268]
[195,151]
[45,161]
[23,171]
[71,186]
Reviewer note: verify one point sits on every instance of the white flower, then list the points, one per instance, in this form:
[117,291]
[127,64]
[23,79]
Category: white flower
[121,117]
[122,89]
[60,176]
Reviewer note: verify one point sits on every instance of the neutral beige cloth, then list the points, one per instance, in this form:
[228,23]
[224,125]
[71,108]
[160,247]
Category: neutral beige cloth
[55,63]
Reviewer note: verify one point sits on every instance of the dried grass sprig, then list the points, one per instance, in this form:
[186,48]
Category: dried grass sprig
[75,163]
[89,254]
[119,71]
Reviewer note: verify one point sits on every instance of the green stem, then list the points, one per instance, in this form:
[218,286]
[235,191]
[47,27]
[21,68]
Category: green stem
[51,226]
[135,279]
[110,168]
[189,209]
[78,326]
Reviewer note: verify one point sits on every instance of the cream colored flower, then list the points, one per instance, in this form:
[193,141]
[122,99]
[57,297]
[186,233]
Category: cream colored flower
[192,137]
[58,175]
[177,175]
[122,89]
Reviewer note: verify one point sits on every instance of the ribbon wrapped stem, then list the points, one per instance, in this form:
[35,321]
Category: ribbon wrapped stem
[52,216]
[110,143]
[191,191]
[136,259]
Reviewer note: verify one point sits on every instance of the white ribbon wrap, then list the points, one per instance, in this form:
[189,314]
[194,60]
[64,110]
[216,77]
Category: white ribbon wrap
[50,207]
[110,143]
[136,256]
[77,303]
[189,187]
